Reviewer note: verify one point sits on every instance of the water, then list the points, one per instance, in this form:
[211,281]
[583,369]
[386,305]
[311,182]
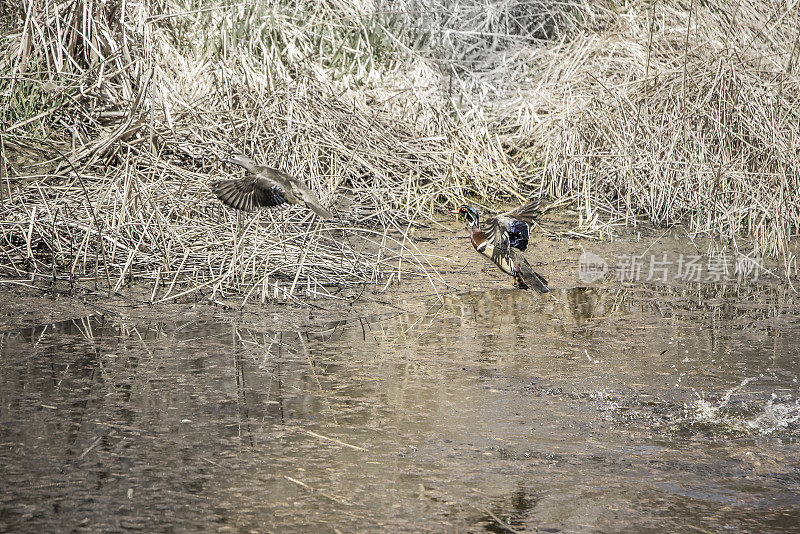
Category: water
[585,410]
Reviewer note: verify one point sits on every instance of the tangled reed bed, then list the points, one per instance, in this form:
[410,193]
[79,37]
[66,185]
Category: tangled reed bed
[673,112]
[111,182]
[114,116]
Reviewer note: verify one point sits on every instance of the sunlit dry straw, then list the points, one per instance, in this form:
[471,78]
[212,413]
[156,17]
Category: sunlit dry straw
[664,111]
[119,192]
[115,115]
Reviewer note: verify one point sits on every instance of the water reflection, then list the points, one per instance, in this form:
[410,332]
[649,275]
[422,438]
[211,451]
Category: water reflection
[667,409]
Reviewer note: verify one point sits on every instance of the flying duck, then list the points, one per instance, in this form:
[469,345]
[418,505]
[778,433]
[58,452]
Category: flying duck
[265,187]
[503,240]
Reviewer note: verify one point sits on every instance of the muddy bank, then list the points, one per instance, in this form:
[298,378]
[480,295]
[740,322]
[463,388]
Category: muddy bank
[454,265]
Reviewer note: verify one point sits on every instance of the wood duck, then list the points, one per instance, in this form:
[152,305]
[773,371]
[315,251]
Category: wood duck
[265,187]
[503,240]
[515,222]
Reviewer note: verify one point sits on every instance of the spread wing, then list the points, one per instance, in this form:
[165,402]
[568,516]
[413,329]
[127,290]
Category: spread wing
[249,193]
[496,233]
[268,187]
[527,212]
[497,228]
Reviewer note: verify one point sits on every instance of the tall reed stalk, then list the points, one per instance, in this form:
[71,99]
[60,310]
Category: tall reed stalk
[115,116]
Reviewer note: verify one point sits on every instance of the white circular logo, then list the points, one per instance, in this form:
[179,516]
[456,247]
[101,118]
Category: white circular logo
[591,267]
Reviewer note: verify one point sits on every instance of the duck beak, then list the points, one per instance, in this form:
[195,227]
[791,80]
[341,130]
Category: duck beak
[454,212]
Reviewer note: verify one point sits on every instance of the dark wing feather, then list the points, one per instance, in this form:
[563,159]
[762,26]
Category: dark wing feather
[294,190]
[496,233]
[528,212]
[497,228]
[249,193]
[266,194]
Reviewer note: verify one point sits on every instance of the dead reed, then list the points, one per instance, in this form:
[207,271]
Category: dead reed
[671,112]
[111,182]
[114,115]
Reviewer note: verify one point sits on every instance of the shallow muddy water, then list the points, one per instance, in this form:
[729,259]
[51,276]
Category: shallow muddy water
[609,410]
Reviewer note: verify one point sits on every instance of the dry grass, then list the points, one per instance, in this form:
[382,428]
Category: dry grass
[113,114]
[673,112]
[118,188]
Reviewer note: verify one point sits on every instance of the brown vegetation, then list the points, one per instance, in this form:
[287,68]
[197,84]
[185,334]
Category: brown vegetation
[114,117]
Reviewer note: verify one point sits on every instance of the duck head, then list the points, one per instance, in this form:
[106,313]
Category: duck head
[467,214]
[242,161]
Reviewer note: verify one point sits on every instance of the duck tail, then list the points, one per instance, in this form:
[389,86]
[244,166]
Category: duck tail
[319,210]
[526,277]
[537,282]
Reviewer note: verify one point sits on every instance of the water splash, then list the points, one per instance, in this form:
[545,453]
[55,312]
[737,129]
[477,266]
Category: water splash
[780,414]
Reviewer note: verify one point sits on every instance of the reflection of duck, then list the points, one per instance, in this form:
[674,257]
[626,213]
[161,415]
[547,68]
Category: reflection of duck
[503,240]
[266,187]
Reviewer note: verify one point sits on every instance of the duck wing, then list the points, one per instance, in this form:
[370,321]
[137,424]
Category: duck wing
[503,230]
[250,193]
[527,213]
[266,187]
[495,230]
[511,228]
[295,191]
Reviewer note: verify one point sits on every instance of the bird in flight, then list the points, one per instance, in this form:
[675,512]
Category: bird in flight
[265,187]
[503,240]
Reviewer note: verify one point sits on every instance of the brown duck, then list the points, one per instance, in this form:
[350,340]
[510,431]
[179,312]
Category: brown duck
[265,187]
